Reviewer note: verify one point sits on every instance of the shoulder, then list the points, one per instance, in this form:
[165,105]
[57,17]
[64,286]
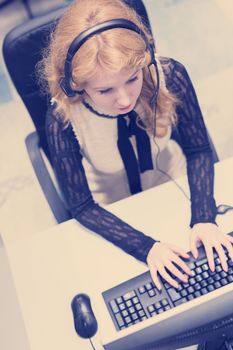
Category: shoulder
[171,66]
[175,74]
[53,118]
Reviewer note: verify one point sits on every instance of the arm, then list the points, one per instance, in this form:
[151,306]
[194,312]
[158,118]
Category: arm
[195,145]
[67,164]
[200,169]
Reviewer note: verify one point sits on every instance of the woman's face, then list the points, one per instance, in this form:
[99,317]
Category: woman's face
[116,93]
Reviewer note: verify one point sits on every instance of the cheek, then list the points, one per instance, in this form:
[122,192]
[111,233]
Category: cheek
[102,100]
[138,87]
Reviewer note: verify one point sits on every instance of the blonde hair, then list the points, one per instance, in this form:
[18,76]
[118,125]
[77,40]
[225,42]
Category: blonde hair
[111,50]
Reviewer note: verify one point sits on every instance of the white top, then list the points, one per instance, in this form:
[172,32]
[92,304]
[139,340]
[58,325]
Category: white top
[102,161]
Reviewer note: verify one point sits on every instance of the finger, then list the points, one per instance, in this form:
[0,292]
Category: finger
[182,265]
[193,246]
[229,237]
[229,247]
[223,259]
[179,251]
[168,278]
[210,256]
[154,276]
[176,272]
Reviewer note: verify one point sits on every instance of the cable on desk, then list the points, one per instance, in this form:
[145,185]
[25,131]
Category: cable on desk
[221,208]
[92,344]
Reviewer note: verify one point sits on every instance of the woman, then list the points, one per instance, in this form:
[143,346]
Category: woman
[102,140]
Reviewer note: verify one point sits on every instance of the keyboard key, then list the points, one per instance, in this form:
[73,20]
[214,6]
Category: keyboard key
[205,267]
[132,309]
[141,289]
[129,295]
[224,281]
[135,300]
[210,288]
[174,295]
[151,293]
[159,311]
[141,313]
[192,281]
[129,303]
[114,306]
[210,280]
[148,286]
[203,283]
[204,291]
[167,307]
[157,305]
[128,319]
[191,265]
[184,293]
[198,278]
[125,313]
[223,274]
[217,285]
[205,275]
[134,316]
[190,290]
[199,262]
[119,300]
[138,307]
[197,294]
[217,277]
[122,306]
[197,286]
[151,308]
[164,302]
[120,320]
[230,278]
[180,301]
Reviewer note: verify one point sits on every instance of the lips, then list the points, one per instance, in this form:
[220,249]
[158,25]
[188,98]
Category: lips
[125,108]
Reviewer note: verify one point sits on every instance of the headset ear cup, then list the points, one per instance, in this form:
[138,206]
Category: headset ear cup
[66,88]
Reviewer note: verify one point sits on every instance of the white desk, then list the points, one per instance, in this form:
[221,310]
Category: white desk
[50,267]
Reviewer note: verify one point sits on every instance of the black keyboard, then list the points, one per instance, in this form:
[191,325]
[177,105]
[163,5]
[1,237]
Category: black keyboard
[138,299]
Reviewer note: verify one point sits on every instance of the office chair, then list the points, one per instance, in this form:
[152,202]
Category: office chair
[22,49]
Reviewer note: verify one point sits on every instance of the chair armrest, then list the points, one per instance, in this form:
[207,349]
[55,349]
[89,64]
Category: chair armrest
[55,202]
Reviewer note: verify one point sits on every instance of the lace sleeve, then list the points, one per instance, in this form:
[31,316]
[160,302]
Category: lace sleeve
[195,144]
[67,163]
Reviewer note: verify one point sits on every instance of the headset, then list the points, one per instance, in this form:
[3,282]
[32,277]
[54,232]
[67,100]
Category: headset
[65,82]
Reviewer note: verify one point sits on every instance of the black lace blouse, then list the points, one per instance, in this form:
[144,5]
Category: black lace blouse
[67,163]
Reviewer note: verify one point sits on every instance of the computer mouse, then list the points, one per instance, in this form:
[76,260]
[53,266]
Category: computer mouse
[84,319]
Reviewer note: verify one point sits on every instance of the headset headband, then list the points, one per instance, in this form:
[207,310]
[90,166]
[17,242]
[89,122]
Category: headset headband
[65,82]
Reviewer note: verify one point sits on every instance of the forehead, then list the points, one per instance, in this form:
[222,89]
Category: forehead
[105,78]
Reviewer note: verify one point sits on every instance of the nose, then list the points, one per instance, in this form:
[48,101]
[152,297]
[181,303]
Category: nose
[123,98]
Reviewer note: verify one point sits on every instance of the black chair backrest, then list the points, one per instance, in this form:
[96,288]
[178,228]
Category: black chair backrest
[22,50]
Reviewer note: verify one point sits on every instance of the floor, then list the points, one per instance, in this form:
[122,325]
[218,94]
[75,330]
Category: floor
[198,33]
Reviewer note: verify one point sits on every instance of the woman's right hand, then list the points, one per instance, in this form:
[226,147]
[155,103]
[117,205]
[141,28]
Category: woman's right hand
[164,258]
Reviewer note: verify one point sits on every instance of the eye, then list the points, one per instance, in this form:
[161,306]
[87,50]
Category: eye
[105,91]
[132,80]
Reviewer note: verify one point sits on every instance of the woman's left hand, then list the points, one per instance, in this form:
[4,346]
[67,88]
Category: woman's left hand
[212,238]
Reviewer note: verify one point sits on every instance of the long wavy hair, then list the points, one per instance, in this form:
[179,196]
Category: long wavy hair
[111,50]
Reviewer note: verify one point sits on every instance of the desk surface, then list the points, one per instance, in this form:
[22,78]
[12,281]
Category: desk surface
[50,267]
